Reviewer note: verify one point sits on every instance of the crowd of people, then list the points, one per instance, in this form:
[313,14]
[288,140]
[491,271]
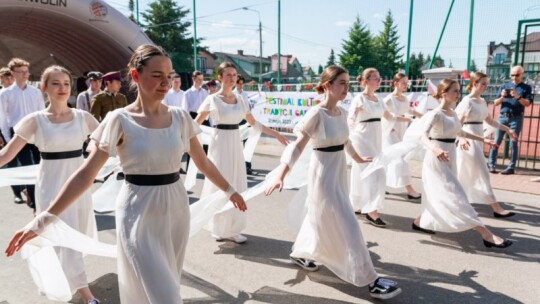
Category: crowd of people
[151,134]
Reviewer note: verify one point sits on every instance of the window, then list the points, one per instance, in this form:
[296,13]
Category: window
[499,58]
[202,63]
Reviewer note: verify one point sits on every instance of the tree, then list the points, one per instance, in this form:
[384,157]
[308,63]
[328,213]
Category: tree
[387,48]
[415,65]
[331,59]
[311,73]
[131,6]
[357,53]
[164,25]
[473,68]
[450,65]
[437,63]
[320,69]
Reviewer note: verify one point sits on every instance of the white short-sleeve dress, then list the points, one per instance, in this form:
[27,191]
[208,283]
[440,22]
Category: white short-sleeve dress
[445,206]
[330,233]
[152,222]
[37,129]
[471,165]
[225,151]
[366,194]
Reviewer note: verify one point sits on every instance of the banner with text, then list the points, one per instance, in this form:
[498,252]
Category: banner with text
[286,109]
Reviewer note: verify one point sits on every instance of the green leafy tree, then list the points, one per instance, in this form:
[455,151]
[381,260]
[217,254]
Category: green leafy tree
[131,6]
[387,48]
[415,65]
[450,65]
[331,59]
[311,73]
[437,63]
[165,25]
[473,68]
[320,69]
[357,51]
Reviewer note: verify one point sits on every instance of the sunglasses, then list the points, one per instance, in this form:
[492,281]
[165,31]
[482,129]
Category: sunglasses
[515,75]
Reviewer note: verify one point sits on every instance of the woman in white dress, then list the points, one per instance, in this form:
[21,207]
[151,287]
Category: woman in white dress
[330,233]
[152,213]
[227,109]
[472,172]
[365,113]
[397,104]
[59,132]
[445,206]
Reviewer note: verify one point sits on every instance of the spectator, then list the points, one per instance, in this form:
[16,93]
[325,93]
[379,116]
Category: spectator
[175,95]
[513,97]
[17,101]
[110,99]
[84,100]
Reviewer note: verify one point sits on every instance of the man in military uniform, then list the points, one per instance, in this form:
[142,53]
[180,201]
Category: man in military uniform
[110,99]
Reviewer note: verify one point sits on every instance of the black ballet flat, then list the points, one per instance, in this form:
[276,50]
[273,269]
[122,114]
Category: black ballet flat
[506,243]
[498,215]
[418,228]
[414,197]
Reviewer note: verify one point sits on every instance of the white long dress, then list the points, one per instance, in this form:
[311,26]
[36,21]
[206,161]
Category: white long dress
[368,194]
[330,233]
[445,206]
[37,129]
[397,173]
[471,165]
[152,222]
[226,152]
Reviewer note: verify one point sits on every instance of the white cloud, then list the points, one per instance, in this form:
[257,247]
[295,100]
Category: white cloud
[222,24]
[232,44]
[342,23]
[377,16]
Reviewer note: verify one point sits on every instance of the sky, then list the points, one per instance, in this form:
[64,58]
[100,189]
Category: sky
[311,28]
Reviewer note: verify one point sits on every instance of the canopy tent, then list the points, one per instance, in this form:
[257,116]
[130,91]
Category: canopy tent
[82,35]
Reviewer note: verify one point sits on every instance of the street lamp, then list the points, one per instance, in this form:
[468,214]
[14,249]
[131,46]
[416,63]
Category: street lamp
[260,41]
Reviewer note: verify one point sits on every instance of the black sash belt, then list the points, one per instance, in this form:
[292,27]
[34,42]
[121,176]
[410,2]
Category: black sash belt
[371,120]
[226,127]
[152,180]
[330,149]
[61,155]
[473,123]
[446,140]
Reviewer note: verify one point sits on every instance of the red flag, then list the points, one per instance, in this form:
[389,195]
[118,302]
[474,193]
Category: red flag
[268,84]
[465,75]
[308,86]
[287,87]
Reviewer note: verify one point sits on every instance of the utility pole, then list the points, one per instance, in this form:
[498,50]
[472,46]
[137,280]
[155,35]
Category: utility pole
[195,65]
[260,41]
[470,37]
[279,42]
[137,9]
[409,39]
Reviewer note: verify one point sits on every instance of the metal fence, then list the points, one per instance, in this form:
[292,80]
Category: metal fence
[529,144]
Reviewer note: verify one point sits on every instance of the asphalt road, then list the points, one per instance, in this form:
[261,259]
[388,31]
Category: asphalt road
[443,268]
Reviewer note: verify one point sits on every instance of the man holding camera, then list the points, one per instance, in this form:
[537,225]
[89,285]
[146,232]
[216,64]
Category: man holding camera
[513,97]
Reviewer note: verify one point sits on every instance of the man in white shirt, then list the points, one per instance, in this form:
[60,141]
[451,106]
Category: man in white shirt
[6,80]
[175,95]
[240,91]
[84,99]
[195,95]
[193,99]
[17,101]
